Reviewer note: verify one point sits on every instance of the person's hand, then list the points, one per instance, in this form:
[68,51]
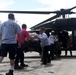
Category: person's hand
[35,36]
[19,45]
[26,39]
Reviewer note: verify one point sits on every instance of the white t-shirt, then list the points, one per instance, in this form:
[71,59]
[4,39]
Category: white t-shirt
[51,39]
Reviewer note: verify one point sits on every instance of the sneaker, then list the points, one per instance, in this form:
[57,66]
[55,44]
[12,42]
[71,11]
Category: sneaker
[10,72]
[24,65]
[18,67]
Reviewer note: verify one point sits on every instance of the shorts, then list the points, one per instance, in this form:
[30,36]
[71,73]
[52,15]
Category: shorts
[8,48]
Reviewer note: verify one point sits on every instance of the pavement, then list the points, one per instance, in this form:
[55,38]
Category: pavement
[59,66]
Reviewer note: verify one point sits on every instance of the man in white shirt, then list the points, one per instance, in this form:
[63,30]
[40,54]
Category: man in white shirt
[52,39]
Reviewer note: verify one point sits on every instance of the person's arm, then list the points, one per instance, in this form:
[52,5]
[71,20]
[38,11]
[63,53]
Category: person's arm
[0,34]
[18,32]
[19,40]
[28,36]
[0,30]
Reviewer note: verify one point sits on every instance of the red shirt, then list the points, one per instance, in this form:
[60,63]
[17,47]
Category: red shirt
[24,34]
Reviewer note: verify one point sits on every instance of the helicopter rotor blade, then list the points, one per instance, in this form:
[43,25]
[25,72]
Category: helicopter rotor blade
[62,11]
[66,11]
[41,23]
[71,8]
[27,12]
[72,13]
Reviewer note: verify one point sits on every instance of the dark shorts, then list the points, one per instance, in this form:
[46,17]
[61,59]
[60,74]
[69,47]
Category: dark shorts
[8,48]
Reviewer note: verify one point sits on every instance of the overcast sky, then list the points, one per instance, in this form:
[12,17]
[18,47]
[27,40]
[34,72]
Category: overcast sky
[33,5]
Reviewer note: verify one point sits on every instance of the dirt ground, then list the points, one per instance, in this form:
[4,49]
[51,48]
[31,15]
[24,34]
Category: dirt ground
[58,66]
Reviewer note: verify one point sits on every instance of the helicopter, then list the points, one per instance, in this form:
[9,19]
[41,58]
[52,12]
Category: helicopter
[53,23]
[62,25]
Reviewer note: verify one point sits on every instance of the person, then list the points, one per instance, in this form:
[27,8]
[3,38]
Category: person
[70,46]
[46,46]
[52,39]
[8,30]
[65,40]
[20,51]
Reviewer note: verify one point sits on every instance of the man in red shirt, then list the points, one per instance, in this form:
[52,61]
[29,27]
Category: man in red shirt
[20,52]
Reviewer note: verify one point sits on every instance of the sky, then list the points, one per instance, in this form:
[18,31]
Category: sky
[33,5]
